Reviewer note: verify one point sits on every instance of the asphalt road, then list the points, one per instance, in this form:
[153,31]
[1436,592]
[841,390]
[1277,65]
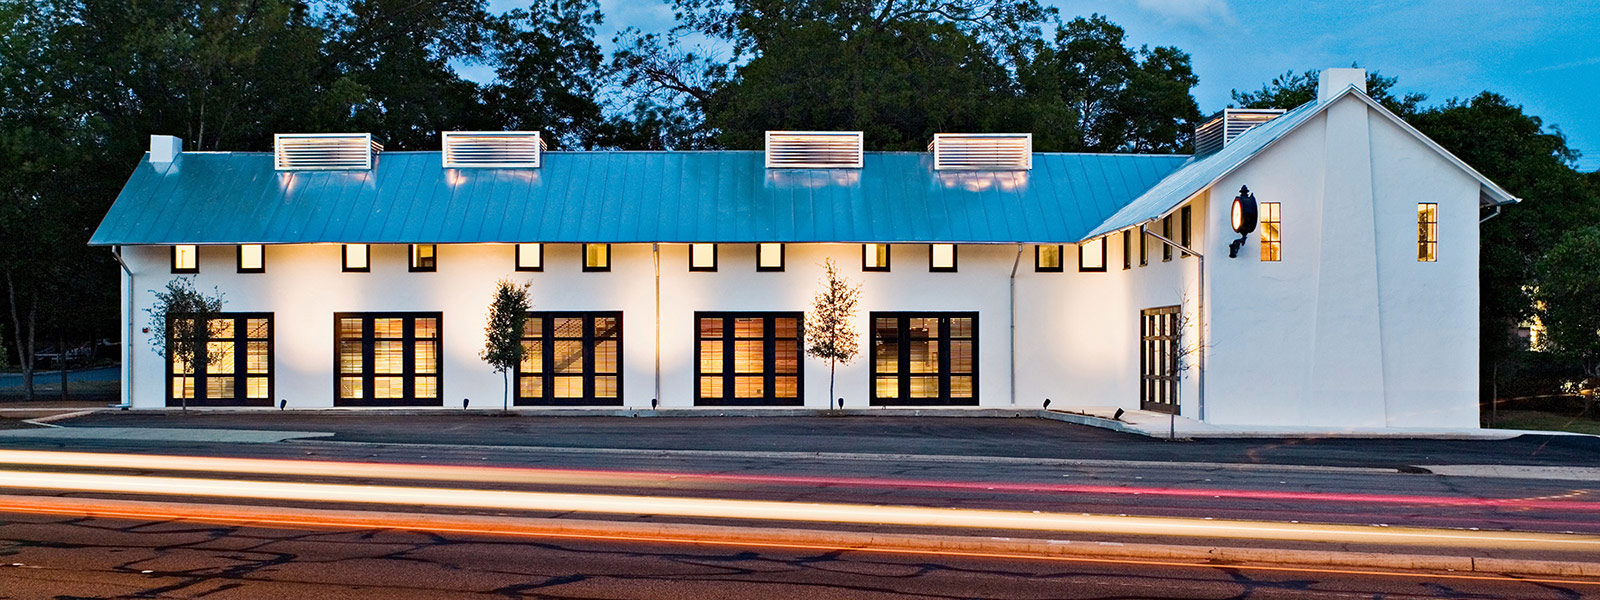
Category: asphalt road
[44,557]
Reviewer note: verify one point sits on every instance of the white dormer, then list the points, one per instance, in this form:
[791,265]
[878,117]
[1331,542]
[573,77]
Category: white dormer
[492,149]
[982,151]
[323,151]
[814,149]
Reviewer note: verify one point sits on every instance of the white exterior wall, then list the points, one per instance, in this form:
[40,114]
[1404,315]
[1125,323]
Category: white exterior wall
[1349,329]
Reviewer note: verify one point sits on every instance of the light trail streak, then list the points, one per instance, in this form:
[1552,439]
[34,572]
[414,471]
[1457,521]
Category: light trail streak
[607,478]
[766,510]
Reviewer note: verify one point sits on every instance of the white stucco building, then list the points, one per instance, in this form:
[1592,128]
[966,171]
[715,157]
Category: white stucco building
[991,276]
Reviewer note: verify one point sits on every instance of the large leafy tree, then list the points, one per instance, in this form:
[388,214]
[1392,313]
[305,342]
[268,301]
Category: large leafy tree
[1569,287]
[549,73]
[1293,89]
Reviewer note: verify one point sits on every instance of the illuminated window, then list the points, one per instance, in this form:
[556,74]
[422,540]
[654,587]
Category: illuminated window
[924,359]
[1158,359]
[387,359]
[232,368]
[597,257]
[1185,226]
[1427,232]
[1271,232]
[571,359]
[530,257]
[1127,249]
[874,257]
[702,257]
[1166,232]
[424,258]
[769,257]
[355,258]
[748,359]
[942,258]
[185,259]
[1092,256]
[1047,258]
[252,258]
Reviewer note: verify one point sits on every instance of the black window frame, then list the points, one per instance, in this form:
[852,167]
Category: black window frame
[783,257]
[903,376]
[1159,378]
[1099,269]
[1127,249]
[1144,247]
[1185,231]
[344,259]
[1038,259]
[239,259]
[955,259]
[176,270]
[241,370]
[714,258]
[1427,232]
[418,264]
[1270,240]
[587,268]
[526,269]
[888,258]
[1166,232]
[408,358]
[547,357]
[769,372]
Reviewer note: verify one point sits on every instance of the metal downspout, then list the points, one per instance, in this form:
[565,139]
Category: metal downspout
[655,255]
[1012,321]
[127,333]
[1200,322]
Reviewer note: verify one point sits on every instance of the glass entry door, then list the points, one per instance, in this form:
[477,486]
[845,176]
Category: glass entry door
[923,359]
[1158,359]
[744,359]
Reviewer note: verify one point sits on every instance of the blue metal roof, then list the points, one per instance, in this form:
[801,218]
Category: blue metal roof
[621,197]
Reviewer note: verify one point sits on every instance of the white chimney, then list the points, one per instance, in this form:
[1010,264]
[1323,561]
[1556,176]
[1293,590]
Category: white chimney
[164,148]
[1334,81]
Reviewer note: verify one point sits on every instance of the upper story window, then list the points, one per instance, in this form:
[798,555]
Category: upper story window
[1127,249]
[597,257]
[1144,245]
[769,257]
[1185,230]
[942,258]
[1047,258]
[1092,256]
[1166,232]
[185,258]
[424,258]
[874,257]
[1427,232]
[530,257]
[702,257]
[252,258]
[1271,232]
[356,259]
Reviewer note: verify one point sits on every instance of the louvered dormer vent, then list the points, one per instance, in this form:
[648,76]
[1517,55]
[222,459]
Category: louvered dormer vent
[814,149]
[323,151]
[492,149]
[982,151]
[1222,128]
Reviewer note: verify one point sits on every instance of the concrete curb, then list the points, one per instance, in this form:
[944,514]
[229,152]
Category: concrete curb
[999,547]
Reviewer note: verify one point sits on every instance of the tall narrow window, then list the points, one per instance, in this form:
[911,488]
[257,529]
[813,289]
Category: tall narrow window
[424,258]
[1185,230]
[1427,232]
[702,257]
[942,258]
[1127,249]
[597,257]
[185,258]
[530,257]
[769,257]
[1144,246]
[252,258]
[1166,232]
[571,359]
[748,359]
[387,359]
[232,368]
[1092,256]
[1047,258]
[874,257]
[924,358]
[355,258]
[1271,232]
[1158,359]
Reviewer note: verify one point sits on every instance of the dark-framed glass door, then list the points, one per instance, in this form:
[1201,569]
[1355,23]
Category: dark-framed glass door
[749,359]
[232,368]
[570,359]
[1158,359]
[387,359]
[924,358]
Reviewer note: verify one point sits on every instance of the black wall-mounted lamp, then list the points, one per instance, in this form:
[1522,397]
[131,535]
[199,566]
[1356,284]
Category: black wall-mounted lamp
[1244,219]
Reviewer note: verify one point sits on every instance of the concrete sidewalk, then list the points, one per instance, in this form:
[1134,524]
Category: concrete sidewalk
[1162,425]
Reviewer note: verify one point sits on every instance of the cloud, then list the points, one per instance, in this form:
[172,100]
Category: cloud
[1199,13]
[1563,66]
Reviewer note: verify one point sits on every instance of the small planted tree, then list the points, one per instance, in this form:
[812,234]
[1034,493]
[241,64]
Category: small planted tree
[829,333]
[502,346]
[180,324]
[1569,286]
